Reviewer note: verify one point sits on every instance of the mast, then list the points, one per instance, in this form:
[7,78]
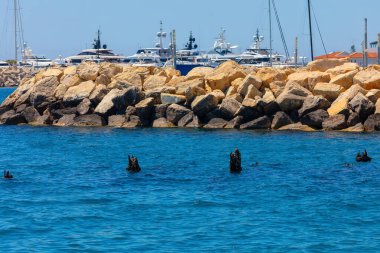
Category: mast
[174,50]
[15,23]
[296,53]
[270,33]
[310,30]
[365,42]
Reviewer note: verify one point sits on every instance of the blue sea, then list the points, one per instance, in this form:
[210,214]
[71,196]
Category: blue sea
[299,192]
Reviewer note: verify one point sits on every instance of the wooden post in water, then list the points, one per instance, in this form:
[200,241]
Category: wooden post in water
[235,162]
[133,165]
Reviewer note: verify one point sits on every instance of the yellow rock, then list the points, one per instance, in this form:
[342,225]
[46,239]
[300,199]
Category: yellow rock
[373,95]
[368,79]
[297,127]
[153,82]
[247,82]
[237,82]
[126,79]
[342,69]
[219,95]
[345,80]
[309,79]
[88,71]
[79,92]
[222,77]
[252,92]
[66,83]
[341,103]
[325,64]
[277,87]
[71,70]
[269,75]
[329,91]
[182,86]
[200,72]
[358,128]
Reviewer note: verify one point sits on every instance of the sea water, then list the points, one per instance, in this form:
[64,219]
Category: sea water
[298,192]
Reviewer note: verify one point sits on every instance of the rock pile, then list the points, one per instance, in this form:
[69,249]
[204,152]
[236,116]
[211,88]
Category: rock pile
[10,77]
[327,94]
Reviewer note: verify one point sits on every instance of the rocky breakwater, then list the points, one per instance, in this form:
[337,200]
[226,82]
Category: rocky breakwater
[327,94]
[12,76]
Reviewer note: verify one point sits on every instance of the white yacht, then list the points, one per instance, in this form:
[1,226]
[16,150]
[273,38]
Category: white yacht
[30,60]
[257,56]
[222,50]
[149,55]
[99,53]
[4,65]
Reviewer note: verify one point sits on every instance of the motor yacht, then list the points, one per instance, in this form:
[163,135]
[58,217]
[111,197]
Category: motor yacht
[99,53]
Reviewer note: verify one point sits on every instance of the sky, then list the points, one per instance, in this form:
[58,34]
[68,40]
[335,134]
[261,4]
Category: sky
[65,27]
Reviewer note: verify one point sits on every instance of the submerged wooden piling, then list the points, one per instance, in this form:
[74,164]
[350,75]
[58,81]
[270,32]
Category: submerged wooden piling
[235,162]
[133,164]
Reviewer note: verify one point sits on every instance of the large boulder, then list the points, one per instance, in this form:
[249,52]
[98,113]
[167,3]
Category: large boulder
[98,94]
[277,87]
[313,103]
[32,116]
[309,79]
[89,120]
[144,109]
[116,101]
[43,91]
[345,79]
[74,95]
[372,123]
[167,98]
[153,82]
[58,73]
[216,123]
[109,69]
[340,105]
[65,120]
[336,122]
[292,97]
[12,118]
[296,127]
[315,119]
[116,120]
[176,112]
[280,119]
[162,123]
[204,104]
[127,79]
[328,90]
[269,75]
[181,87]
[343,69]
[234,123]
[88,71]
[200,72]
[187,119]
[84,107]
[223,75]
[325,64]
[373,95]
[368,79]
[260,123]
[249,81]
[66,83]
[268,103]
[229,108]
[362,106]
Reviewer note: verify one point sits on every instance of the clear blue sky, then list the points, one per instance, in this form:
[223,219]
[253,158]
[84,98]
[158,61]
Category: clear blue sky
[65,27]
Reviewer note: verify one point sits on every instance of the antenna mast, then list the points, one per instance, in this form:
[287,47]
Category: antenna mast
[310,30]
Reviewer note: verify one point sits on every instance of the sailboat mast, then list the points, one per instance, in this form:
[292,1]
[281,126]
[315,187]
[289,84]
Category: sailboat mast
[310,30]
[15,23]
[270,33]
